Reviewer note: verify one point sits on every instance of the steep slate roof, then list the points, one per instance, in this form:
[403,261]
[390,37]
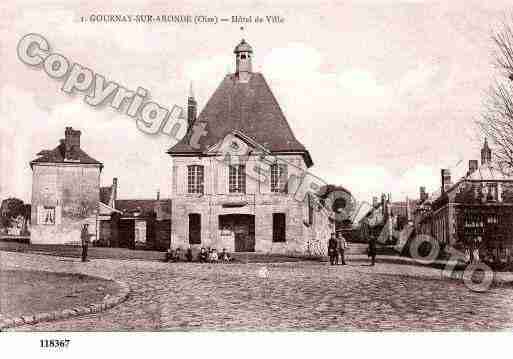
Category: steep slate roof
[57,156]
[249,107]
[487,172]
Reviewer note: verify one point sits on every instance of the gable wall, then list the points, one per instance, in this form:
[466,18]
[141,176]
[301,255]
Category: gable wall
[74,191]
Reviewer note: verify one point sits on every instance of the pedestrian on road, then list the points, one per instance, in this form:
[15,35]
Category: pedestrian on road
[371,251]
[84,237]
[332,249]
[341,247]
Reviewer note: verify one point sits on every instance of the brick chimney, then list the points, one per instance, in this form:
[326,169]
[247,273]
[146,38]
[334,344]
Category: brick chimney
[71,140]
[446,179]
[114,193]
[472,166]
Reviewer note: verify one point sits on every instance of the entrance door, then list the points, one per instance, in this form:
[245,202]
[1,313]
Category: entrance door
[127,233]
[243,228]
[194,228]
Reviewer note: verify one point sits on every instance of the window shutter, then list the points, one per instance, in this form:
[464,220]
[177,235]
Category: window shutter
[182,179]
[174,183]
[58,215]
[39,214]
[265,167]
[222,177]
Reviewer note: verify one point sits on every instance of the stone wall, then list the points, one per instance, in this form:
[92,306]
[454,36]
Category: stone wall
[258,201]
[73,191]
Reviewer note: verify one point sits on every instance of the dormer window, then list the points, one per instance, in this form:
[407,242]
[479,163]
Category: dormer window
[492,192]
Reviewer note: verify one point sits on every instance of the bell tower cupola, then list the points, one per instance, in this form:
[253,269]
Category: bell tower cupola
[486,153]
[243,54]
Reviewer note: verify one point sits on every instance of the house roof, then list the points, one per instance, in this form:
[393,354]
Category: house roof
[57,156]
[250,108]
[105,209]
[145,206]
[487,172]
[243,46]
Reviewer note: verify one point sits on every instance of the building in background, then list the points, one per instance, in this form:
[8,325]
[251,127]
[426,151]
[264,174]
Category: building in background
[474,213]
[65,192]
[223,205]
[133,223]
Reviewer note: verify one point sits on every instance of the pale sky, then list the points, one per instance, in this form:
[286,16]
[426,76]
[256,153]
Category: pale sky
[382,93]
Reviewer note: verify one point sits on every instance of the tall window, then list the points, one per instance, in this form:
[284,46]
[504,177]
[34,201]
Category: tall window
[279,177]
[237,179]
[492,192]
[195,179]
[279,227]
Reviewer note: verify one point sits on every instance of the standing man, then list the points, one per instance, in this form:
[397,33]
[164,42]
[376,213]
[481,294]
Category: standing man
[371,252]
[341,247]
[332,248]
[84,237]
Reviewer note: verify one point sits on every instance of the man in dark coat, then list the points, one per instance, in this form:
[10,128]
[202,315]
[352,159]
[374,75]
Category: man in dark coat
[84,238]
[371,252]
[332,249]
[341,248]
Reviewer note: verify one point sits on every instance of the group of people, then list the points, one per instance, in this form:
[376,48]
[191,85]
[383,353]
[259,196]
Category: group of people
[337,246]
[205,255]
[336,249]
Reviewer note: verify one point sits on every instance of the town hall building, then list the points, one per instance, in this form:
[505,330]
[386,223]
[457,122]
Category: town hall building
[235,173]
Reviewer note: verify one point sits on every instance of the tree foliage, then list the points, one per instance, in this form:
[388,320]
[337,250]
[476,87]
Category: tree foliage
[497,119]
[11,208]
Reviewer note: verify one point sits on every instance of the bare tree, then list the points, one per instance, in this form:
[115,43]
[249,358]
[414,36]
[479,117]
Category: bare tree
[503,39]
[497,119]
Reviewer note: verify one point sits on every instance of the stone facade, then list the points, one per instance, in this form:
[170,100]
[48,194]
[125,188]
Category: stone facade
[64,196]
[65,192]
[258,202]
[257,218]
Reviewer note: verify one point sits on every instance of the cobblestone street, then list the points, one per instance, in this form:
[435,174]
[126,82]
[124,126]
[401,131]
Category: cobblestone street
[278,296]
